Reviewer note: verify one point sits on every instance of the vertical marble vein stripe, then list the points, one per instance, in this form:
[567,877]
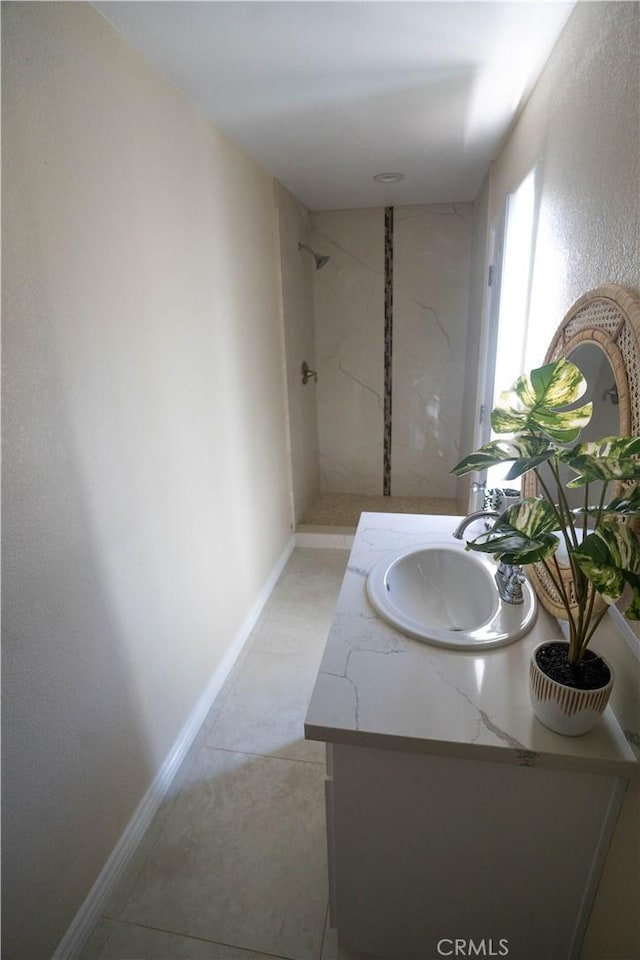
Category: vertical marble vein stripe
[388,348]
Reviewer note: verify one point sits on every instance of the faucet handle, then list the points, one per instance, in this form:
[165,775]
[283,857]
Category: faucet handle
[509,578]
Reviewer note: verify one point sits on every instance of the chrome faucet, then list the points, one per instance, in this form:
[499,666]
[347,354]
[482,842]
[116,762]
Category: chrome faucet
[478,515]
[509,577]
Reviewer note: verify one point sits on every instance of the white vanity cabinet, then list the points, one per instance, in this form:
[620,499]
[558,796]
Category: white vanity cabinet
[425,850]
[457,825]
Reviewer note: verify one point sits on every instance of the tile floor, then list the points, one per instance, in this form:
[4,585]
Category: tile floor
[233,866]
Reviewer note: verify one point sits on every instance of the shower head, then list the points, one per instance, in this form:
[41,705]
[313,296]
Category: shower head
[319,258]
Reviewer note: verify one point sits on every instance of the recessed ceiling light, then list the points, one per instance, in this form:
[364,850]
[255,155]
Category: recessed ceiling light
[388,177]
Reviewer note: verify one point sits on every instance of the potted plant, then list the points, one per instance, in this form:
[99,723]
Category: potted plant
[543,418]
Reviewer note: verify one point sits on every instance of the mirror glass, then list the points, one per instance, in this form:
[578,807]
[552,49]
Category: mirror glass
[602,391]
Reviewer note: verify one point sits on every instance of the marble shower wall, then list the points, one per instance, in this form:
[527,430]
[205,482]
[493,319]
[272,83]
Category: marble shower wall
[297,271]
[349,326]
[431,262]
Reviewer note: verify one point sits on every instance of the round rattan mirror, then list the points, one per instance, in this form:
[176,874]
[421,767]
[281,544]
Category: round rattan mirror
[601,335]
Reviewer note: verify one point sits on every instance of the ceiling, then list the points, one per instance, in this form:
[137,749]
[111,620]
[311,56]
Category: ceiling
[324,95]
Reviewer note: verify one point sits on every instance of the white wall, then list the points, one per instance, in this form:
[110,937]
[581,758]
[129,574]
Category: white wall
[146,482]
[581,127]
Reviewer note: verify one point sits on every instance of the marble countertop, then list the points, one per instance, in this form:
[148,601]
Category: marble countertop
[379,688]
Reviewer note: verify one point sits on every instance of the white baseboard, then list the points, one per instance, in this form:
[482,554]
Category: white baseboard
[89,913]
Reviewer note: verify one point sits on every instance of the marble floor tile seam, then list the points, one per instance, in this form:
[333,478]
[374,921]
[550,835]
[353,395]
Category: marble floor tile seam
[204,940]
[264,713]
[297,612]
[284,623]
[252,648]
[262,756]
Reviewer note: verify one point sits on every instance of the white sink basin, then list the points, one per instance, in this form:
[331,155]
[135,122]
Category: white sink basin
[443,595]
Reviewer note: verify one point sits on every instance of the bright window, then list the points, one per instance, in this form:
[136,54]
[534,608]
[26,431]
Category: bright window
[514,300]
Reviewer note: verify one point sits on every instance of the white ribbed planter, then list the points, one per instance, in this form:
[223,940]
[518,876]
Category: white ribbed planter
[564,709]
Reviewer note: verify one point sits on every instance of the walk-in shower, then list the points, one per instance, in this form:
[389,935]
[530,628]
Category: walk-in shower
[390,341]
[386,331]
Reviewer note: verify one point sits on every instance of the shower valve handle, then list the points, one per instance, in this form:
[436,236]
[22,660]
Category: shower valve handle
[308,373]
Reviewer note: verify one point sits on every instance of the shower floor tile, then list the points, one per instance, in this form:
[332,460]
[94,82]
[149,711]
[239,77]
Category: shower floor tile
[344,509]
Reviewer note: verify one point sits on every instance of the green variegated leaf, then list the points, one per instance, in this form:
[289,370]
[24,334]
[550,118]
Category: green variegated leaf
[531,516]
[623,544]
[603,470]
[561,426]
[522,534]
[613,458]
[618,448]
[534,402]
[614,448]
[610,560]
[628,505]
[633,610]
[524,452]
[559,383]
[513,547]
